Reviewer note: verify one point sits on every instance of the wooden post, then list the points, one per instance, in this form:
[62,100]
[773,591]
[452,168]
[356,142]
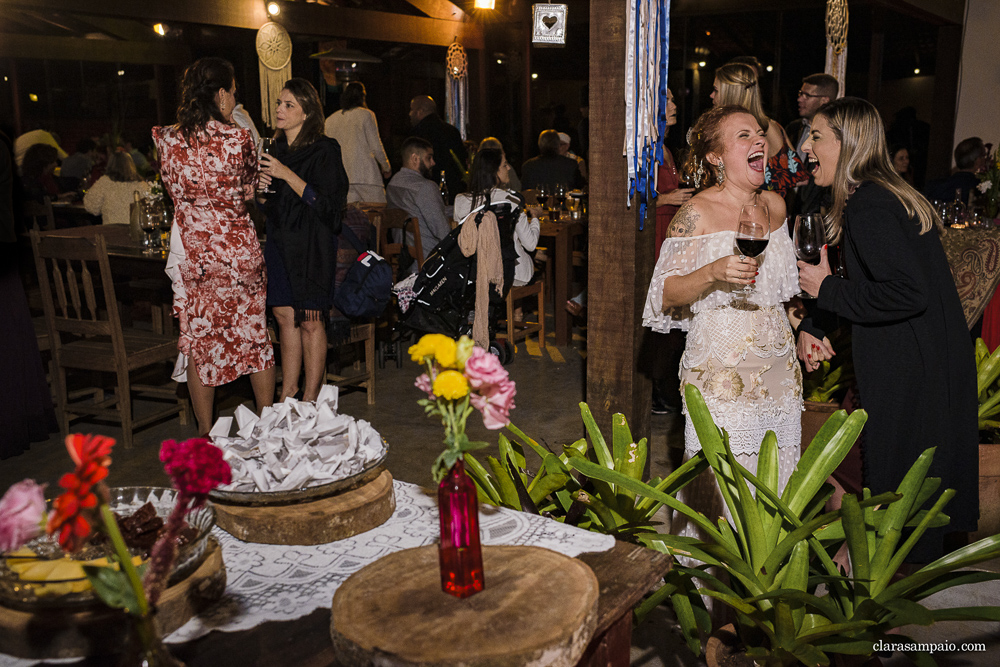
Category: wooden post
[621,257]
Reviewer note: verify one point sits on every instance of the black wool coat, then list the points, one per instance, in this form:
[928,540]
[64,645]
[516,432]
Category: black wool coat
[306,235]
[913,355]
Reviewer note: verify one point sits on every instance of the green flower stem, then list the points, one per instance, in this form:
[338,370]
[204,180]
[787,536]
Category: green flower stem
[124,557]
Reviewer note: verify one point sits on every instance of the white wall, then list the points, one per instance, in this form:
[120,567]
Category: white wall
[978,104]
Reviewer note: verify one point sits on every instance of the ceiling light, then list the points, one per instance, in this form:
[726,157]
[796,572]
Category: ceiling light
[534,75]
[916,70]
[121,72]
[273,9]
[32,97]
[160,29]
[770,68]
[701,63]
[485,4]
[499,62]
[708,33]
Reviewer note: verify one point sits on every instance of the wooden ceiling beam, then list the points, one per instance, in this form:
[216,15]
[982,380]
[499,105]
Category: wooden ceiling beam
[93,50]
[297,17]
[439,9]
[938,11]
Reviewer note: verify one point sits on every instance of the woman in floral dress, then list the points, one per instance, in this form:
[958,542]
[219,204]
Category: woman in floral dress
[741,357]
[209,167]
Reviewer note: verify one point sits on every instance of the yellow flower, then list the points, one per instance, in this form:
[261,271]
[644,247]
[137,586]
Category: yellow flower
[451,385]
[438,346]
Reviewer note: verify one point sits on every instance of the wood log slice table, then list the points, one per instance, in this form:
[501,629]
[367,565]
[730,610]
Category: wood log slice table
[100,631]
[315,522]
[538,607]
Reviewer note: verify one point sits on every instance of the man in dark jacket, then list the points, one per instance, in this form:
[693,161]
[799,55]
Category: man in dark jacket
[447,142]
[550,168]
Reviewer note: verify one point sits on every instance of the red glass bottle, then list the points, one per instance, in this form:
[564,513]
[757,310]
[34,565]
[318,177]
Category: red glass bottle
[460,555]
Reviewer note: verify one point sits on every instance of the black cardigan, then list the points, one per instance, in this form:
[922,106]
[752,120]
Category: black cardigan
[305,228]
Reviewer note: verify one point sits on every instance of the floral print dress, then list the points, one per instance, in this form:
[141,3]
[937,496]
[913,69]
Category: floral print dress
[219,297]
[743,361]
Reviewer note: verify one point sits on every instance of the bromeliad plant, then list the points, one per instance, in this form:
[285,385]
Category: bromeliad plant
[777,550]
[460,378]
[556,492]
[987,374]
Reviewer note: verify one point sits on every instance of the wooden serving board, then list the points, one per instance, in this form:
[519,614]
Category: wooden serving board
[314,522]
[538,607]
[97,630]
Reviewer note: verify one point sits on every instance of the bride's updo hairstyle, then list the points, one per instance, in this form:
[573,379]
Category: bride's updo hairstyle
[200,83]
[704,138]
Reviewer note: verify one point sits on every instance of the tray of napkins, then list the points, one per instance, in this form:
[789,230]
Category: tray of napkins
[296,451]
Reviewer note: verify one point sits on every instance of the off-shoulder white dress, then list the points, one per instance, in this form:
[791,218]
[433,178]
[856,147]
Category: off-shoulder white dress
[742,361]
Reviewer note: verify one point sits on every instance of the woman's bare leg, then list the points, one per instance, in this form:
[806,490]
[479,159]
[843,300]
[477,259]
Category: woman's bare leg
[263,387]
[314,349]
[202,399]
[291,350]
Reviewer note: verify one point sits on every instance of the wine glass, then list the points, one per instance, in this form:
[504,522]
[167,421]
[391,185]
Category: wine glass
[267,148]
[149,223]
[543,195]
[560,194]
[808,237]
[752,232]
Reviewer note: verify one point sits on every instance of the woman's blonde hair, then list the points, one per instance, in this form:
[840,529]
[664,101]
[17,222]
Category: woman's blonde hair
[121,167]
[864,156]
[738,85]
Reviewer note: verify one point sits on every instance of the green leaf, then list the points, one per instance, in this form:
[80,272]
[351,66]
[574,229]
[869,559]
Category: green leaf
[516,458]
[477,472]
[547,485]
[504,483]
[596,438]
[908,612]
[113,587]
[857,546]
[966,614]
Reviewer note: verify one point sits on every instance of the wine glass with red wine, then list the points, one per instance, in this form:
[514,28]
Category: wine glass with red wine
[753,232]
[266,148]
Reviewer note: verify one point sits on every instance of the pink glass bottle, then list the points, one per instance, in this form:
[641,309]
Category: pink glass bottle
[460,555]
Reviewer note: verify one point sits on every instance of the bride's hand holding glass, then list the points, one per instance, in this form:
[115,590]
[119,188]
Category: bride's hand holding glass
[735,269]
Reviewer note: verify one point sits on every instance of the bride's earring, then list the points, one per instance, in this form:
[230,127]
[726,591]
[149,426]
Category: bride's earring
[699,174]
[722,172]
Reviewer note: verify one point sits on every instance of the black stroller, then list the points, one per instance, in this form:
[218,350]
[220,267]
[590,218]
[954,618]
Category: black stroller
[446,285]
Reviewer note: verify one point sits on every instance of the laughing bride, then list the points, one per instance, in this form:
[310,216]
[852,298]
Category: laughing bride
[741,358]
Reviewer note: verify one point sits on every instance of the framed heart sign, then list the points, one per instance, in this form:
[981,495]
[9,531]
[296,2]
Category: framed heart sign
[548,25]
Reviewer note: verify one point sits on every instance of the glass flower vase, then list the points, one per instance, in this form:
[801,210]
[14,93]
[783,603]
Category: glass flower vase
[461,557]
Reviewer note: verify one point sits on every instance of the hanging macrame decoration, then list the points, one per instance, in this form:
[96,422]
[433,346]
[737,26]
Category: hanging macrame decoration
[647,47]
[836,41]
[456,96]
[274,49]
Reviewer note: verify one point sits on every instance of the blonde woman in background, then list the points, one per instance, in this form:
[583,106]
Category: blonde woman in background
[113,193]
[736,83]
[356,130]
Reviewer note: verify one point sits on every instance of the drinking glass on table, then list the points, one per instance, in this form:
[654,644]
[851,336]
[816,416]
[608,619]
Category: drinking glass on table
[808,238]
[560,194]
[542,193]
[752,234]
[266,148]
[149,223]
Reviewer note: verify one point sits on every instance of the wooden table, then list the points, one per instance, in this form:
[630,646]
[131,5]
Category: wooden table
[563,234]
[625,573]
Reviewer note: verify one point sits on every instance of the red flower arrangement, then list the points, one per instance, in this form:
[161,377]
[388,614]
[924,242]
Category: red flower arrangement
[71,510]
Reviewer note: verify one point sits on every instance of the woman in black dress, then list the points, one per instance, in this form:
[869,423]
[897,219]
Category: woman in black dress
[913,356]
[303,220]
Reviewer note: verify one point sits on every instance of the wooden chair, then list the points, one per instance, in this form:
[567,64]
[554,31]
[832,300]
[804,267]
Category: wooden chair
[521,329]
[362,332]
[85,332]
[39,216]
[395,218]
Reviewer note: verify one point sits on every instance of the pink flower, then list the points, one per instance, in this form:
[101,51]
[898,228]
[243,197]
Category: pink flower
[425,385]
[195,466]
[21,512]
[495,403]
[483,368]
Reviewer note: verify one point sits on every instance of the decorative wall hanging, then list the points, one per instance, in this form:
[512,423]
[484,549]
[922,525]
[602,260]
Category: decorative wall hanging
[274,49]
[548,24]
[456,93]
[836,41]
[647,47]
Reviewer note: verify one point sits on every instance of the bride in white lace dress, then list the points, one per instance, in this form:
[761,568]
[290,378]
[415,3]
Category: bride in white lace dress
[741,359]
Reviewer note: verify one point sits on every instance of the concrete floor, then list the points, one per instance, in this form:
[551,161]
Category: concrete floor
[550,386]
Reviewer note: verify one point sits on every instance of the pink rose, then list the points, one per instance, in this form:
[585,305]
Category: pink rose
[482,368]
[21,512]
[425,385]
[495,403]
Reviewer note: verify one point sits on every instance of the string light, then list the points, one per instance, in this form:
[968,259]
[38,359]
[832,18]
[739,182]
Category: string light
[770,68]
[273,9]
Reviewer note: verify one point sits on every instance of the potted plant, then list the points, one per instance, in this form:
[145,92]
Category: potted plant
[824,389]
[988,373]
[792,603]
